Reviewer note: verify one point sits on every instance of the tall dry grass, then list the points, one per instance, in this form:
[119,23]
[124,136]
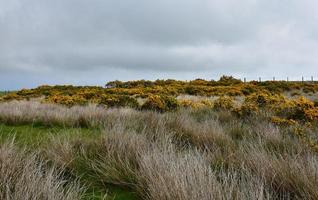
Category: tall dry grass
[188,154]
[288,176]
[188,175]
[34,112]
[23,176]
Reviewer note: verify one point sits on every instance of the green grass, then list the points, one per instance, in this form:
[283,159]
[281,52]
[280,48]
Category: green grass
[35,136]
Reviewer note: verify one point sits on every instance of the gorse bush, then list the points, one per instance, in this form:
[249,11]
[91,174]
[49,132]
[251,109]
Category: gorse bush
[10,97]
[282,121]
[160,103]
[265,100]
[225,103]
[228,93]
[304,109]
[154,102]
[199,104]
[226,86]
[119,101]
[66,100]
[170,102]
[300,109]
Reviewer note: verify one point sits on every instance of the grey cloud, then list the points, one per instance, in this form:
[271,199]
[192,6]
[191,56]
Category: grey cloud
[100,40]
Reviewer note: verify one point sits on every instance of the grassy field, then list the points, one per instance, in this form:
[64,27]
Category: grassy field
[163,139]
[89,152]
[36,138]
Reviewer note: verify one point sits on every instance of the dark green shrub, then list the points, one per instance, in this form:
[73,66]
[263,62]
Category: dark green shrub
[247,90]
[192,90]
[295,93]
[229,80]
[170,102]
[119,101]
[316,102]
[308,90]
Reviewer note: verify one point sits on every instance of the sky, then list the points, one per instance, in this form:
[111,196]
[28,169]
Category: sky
[91,42]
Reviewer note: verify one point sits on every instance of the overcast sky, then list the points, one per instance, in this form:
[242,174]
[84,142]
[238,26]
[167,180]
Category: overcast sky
[90,42]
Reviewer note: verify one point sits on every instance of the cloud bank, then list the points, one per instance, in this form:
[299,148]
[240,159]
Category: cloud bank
[95,41]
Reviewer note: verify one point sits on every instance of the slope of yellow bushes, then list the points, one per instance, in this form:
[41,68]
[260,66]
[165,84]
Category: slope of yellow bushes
[160,95]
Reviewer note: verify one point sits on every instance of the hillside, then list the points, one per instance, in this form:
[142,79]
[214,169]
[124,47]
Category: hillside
[174,140]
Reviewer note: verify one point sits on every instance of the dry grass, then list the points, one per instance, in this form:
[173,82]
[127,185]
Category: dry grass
[168,174]
[33,112]
[290,177]
[24,177]
[188,154]
[204,134]
[115,159]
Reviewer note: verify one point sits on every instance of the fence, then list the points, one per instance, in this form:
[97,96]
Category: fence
[303,79]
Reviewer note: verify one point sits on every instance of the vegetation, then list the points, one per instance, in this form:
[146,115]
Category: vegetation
[25,176]
[119,93]
[2,93]
[124,153]
[163,139]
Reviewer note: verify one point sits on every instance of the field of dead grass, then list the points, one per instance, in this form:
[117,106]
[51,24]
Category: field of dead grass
[89,152]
